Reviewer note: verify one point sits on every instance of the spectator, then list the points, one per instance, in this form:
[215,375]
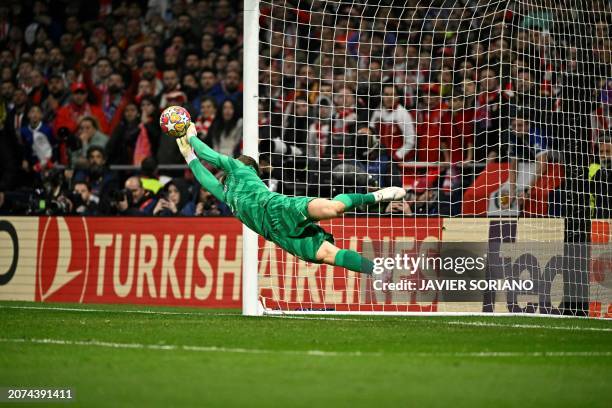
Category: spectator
[149,118]
[175,200]
[148,175]
[376,159]
[433,127]
[38,89]
[89,134]
[189,86]
[296,127]
[123,142]
[17,114]
[37,141]
[460,143]
[600,179]
[319,132]
[228,88]
[488,116]
[149,72]
[69,116]
[529,152]
[57,61]
[184,27]
[58,96]
[394,125]
[225,133]
[601,118]
[113,98]
[208,81]
[344,123]
[426,197]
[97,80]
[172,94]
[208,111]
[145,88]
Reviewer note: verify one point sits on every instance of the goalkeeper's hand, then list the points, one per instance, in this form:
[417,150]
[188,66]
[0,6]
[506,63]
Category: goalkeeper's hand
[186,149]
[191,131]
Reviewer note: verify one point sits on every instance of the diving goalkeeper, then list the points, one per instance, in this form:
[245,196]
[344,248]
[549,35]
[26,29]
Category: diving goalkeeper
[289,222]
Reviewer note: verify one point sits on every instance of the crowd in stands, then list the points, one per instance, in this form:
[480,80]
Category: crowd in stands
[351,96]
[433,94]
[82,88]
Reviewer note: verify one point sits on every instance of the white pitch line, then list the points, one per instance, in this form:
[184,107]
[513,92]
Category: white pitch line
[459,323]
[314,353]
[531,326]
[151,312]
[172,347]
[347,319]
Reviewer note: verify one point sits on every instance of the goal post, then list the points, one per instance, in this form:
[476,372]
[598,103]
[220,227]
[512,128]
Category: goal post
[494,115]
[250,304]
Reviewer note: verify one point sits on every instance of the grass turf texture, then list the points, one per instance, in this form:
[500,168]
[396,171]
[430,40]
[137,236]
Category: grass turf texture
[111,357]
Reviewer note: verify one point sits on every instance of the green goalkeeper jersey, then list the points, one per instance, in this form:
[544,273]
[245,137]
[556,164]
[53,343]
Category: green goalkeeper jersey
[243,191]
[278,218]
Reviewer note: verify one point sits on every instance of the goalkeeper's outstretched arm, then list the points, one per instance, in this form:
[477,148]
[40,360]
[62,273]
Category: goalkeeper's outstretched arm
[201,173]
[207,154]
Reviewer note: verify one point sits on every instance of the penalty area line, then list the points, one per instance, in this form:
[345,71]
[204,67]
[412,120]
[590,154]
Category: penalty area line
[314,353]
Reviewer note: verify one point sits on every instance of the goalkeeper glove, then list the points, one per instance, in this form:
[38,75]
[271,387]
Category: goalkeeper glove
[191,131]
[186,149]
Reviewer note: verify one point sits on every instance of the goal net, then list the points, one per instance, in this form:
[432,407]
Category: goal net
[494,115]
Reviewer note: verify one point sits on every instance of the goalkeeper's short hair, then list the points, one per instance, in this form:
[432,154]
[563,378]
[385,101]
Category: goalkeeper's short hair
[249,161]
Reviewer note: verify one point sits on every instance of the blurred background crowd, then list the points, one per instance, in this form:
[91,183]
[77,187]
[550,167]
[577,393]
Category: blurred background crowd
[352,96]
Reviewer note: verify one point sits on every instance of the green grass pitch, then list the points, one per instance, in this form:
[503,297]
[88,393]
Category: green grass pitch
[167,357]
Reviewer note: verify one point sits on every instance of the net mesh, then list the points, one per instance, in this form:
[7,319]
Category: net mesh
[493,115]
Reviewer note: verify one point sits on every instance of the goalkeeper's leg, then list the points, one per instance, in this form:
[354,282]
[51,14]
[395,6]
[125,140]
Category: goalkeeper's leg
[330,254]
[322,209]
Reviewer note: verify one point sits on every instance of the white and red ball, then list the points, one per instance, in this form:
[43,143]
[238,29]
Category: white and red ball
[174,121]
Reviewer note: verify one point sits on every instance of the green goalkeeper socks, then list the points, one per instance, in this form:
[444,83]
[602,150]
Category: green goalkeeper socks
[351,201]
[353,261]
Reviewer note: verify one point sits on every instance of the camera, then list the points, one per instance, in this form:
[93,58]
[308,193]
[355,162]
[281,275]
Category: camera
[121,195]
[60,206]
[72,142]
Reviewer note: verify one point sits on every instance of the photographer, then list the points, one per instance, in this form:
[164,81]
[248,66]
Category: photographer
[132,200]
[175,200]
[85,202]
[208,205]
[100,179]
[52,199]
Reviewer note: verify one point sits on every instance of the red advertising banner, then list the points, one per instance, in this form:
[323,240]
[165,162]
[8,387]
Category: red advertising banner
[178,261]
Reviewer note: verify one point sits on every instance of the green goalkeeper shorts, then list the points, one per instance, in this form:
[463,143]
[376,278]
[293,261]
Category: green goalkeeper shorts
[288,225]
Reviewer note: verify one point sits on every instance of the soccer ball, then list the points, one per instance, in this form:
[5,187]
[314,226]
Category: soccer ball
[174,121]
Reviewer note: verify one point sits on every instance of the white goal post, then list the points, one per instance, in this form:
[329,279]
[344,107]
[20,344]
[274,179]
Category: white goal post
[250,289]
[494,115]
